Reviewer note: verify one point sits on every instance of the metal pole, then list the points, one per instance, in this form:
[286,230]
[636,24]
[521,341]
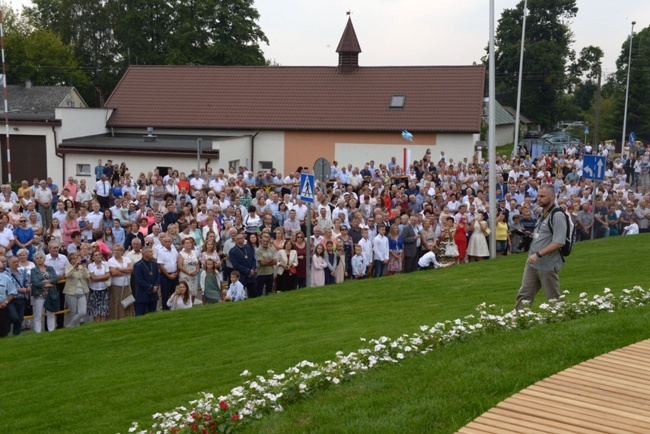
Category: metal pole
[492,177]
[4,90]
[198,154]
[597,125]
[627,88]
[308,240]
[593,207]
[521,69]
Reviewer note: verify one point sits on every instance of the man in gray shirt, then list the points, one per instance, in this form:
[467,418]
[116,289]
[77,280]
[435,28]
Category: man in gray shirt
[544,259]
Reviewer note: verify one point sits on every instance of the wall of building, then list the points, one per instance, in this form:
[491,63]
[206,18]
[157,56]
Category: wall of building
[303,148]
[505,134]
[76,122]
[456,146]
[54,163]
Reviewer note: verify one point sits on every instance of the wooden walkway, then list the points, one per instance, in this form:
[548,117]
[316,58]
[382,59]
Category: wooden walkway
[607,394]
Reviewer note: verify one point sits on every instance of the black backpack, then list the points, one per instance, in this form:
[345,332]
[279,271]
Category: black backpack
[570,238]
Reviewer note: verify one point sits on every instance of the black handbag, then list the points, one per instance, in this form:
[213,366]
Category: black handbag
[52,303]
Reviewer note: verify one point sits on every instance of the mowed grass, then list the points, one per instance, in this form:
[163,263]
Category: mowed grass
[100,377]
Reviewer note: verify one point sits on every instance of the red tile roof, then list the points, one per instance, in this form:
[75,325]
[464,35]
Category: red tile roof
[438,98]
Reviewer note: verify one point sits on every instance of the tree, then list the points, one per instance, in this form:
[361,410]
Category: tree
[39,55]
[638,113]
[547,51]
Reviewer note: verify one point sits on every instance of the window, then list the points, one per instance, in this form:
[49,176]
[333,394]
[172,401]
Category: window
[234,164]
[397,101]
[83,169]
[266,165]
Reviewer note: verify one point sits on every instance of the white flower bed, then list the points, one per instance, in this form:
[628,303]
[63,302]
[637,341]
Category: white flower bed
[261,395]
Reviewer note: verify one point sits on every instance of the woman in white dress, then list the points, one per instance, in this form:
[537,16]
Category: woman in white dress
[477,247]
[188,266]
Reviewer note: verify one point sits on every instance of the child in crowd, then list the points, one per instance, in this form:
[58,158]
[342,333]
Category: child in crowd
[428,261]
[236,291]
[358,263]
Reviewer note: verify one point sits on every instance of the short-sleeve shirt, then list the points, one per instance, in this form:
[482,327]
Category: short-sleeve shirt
[264,254]
[543,236]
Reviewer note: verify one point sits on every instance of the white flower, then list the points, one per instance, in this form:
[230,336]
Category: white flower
[400,356]
[245,374]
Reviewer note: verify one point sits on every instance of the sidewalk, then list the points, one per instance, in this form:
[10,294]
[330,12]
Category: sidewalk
[607,394]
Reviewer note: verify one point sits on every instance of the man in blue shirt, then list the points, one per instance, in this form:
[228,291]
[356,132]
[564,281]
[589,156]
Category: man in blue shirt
[8,291]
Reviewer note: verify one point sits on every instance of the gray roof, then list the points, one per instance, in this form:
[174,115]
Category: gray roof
[523,119]
[503,117]
[35,102]
[163,144]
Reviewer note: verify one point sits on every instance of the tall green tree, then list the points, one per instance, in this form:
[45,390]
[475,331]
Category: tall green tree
[547,52]
[638,113]
[39,55]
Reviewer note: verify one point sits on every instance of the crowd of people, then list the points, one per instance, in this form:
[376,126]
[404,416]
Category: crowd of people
[130,244]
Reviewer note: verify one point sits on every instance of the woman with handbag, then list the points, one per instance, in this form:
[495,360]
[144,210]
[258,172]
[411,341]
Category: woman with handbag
[75,290]
[121,269]
[287,267]
[99,283]
[44,293]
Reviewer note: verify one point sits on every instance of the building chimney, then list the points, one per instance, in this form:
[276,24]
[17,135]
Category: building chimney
[149,137]
[348,49]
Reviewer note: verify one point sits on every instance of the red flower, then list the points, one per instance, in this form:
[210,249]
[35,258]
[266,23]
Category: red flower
[213,426]
[207,417]
[235,417]
[194,427]
[223,405]
[174,430]
[204,431]
[193,414]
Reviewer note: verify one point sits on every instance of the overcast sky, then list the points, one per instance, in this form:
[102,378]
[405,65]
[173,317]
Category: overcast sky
[421,32]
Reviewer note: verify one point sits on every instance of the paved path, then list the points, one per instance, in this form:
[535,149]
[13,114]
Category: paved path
[607,394]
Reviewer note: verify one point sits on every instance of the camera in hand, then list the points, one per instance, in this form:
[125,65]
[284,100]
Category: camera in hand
[84,261]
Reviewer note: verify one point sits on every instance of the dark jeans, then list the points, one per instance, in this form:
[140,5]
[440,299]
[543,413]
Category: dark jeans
[17,314]
[253,288]
[144,308]
[380,268]
[4,322]
[60,318]
[265,284]
[167,288]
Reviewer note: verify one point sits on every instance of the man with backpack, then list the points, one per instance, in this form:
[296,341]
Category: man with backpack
[545,258]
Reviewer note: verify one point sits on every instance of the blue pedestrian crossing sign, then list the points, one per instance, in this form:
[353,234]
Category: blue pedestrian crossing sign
[306,187]
[593,167]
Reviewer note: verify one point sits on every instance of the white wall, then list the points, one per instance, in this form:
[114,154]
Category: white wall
[269,146]
[136,164]
[456,146]
[82,122]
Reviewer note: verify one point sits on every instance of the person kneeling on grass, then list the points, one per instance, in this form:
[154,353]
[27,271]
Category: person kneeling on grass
[429,261]
[236,291]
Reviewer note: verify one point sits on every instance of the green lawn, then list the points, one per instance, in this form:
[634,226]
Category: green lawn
[99,378]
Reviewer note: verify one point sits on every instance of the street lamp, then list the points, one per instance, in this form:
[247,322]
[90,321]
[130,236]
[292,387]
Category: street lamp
[627,89]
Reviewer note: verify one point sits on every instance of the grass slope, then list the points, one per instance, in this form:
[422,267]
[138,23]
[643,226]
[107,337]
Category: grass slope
[98,378]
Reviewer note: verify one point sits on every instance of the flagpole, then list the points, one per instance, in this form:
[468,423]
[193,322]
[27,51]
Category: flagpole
[627,88]
[491,138]
[4,89]
[521,69]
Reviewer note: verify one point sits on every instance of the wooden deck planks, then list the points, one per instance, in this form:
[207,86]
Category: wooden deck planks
[608,394]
